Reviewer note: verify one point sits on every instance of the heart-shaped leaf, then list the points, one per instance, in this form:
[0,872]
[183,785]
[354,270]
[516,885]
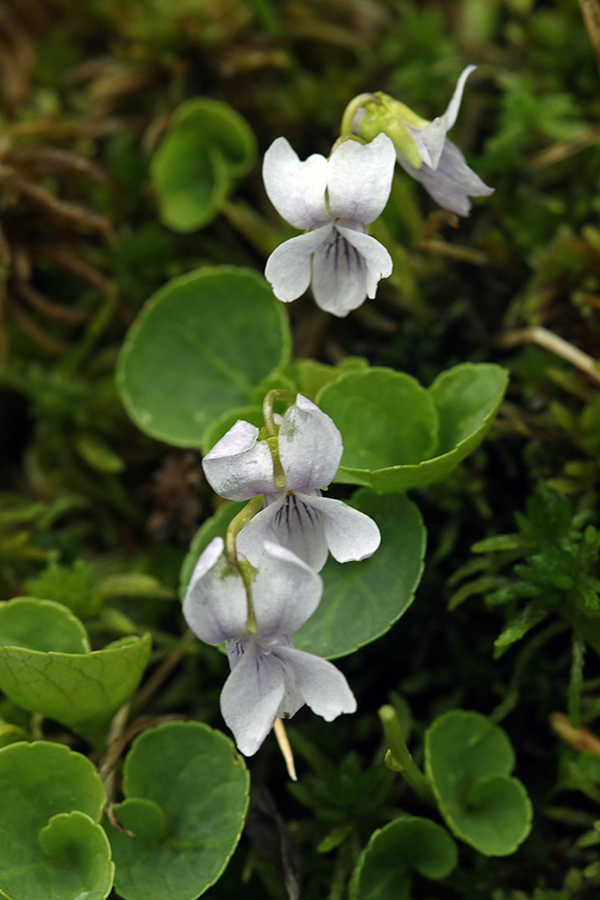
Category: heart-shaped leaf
[469,760]
[386,418]
[207,146]
[385,433]
[385,867]
[198,350]
[187,795]
[362,600]
[52,846]
[41,625]
[80,689]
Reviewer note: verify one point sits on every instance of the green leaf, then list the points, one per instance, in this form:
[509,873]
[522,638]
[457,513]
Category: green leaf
[98,455]
[207,146]
[518,627]
[200,785]
[362,600]
[310,376]
[198,349]
[52,846]
[41,625]
[80,689]
[464,401]
[70,586]
[386,419]
[410,844]
[468,761]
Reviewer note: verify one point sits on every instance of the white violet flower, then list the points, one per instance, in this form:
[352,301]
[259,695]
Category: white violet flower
[269,677]
[424,151]
[240,466]
[335,199]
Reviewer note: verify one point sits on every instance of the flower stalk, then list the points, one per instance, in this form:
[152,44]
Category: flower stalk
[401,758]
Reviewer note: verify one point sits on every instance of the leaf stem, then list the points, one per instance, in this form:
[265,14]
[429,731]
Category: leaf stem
[401,756]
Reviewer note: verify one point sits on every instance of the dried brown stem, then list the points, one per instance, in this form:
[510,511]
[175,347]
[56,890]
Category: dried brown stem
[591,17]
[53,311]
[550,341]
[37,334]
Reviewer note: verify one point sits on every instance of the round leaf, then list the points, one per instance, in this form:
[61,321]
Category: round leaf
[206,147]
[469,760]
[194,776]
[51,846]
[82,691]
[406,845]
[41,625]
[386,418]
[362,600]
[466,400]
[199,348]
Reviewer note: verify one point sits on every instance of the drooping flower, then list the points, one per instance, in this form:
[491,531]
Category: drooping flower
[335,199]
[424,151]
[240,466]
[269,677]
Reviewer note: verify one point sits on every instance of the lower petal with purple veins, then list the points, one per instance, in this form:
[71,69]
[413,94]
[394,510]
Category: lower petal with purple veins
[291,522]
[339,281]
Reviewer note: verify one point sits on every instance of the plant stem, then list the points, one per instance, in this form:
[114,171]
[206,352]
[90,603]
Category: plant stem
[402,757]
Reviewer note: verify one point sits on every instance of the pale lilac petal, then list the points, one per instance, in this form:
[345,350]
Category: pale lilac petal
[376,261]
[240,466]
[310,447]
[451,113]
[250,541]
[339,277]
[296,189]
[350,534]
[251,697]
[288,268]
[452,183]
[359,178]
[215,605]
[285,592]
[291,522]
[434,134]
[323,687]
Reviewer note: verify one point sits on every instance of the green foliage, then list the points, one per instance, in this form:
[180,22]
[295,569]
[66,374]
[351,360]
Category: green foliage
[398,436]
[207,147]
[468,761]
[385,867]
[92,513]
[52,846]
[554,570]
[79,688]
[202,331]
[361,601]
[186,796]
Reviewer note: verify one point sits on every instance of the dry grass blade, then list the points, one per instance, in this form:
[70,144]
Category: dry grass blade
[72,212]
[42,161]
[33,330]
[591,17]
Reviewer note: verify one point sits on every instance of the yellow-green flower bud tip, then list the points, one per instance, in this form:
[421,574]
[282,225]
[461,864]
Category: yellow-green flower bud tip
[392,118]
